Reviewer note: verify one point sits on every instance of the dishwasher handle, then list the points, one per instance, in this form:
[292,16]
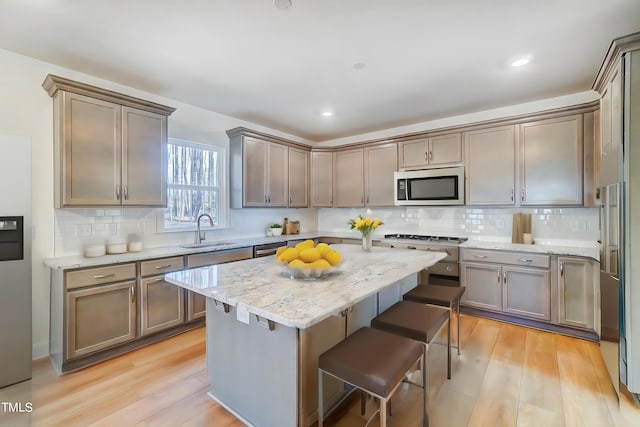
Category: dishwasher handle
[264,252]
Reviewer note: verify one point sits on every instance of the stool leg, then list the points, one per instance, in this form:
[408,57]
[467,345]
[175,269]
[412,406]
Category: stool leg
[458,315]
[363,402]
[383,412]
[449,349]
[320,400]
[425,389]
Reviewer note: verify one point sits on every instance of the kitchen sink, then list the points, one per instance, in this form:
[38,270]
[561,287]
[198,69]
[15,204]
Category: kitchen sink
[207,245]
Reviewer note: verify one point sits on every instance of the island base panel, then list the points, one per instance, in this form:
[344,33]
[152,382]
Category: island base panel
[252,370]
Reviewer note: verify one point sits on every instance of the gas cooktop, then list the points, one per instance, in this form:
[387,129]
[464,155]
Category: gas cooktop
[438,239]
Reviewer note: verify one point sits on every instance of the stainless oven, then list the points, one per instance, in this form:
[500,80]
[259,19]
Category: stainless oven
[443,186]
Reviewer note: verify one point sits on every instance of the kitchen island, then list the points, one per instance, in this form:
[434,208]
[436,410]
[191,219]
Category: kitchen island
[265,330]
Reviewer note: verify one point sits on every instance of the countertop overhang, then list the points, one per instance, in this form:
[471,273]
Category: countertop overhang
[259,286]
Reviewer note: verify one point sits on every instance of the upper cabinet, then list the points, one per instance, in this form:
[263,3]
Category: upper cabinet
[349,178]
[490,166]
[430,151]
[266,172]
[611,130]
[364,176]
[551,161]
[321,179]
[110,149]
[380,162]
[298,178]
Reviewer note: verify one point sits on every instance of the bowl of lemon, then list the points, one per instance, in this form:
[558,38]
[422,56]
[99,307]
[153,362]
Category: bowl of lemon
[308,261]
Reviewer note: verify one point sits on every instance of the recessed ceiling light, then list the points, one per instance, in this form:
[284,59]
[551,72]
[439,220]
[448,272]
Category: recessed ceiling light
[327,113]
[282,4]
[359,65]
[520,62]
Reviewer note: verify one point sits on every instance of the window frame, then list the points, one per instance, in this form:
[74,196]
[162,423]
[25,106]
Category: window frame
[221,188]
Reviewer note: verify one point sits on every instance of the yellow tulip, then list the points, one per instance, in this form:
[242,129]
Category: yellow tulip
[368,222]
[359,223]
[376,223]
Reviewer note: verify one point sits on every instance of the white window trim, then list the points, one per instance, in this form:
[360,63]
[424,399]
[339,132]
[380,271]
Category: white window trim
[223,191]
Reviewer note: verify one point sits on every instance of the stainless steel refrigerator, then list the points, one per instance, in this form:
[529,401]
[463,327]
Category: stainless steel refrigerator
[15,259]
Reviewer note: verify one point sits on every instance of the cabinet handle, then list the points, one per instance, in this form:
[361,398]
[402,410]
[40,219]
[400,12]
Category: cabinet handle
[512,194]
[126,192]
[522,195]
[104,276]
[133,293]
[117,192]
[160,279]
[430,155]
[498,277]
[561,268]
[162,267]
[411,247]
[426,155]
[367,199]
[480,256]
[269,199]
[265,199]
[504,277]
[362,200]
[525,260]
[290,199]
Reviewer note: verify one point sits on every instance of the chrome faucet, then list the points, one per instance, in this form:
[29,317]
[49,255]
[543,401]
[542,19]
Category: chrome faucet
[200,234]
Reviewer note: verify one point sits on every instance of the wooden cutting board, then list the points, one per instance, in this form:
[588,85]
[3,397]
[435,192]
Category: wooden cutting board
[521,225]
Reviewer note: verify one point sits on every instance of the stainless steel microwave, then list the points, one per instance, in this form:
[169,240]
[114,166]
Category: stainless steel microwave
[443,186]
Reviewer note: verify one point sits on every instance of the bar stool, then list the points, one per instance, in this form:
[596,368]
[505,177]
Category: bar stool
[444,296]
[374,361]
[416,321]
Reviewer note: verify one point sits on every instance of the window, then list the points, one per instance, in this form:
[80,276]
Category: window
[194,184]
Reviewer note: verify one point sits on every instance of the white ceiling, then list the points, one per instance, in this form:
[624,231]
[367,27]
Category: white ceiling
[424,59]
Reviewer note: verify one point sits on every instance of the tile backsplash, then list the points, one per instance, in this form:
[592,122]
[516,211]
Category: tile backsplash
[481,223]
[76,227]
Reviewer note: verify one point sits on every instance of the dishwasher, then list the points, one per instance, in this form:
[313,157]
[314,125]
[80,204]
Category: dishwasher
[267,250]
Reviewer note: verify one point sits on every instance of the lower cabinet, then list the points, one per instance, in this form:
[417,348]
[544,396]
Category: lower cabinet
[161,305]
[513,283]
[578,296]
[99,317]
[196,306]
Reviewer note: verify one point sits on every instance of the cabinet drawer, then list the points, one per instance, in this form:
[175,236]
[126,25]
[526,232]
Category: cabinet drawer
[164,265]
[512,258]
[218,257]
[97,276]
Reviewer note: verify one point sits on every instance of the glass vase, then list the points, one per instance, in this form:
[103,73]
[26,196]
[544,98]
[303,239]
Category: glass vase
[366,242]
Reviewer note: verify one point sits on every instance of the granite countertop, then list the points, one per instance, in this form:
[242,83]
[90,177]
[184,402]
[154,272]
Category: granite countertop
[79,261]
[259,286]
[552,247]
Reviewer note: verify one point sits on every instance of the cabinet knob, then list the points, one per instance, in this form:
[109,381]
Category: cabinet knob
[498,277]
[561,268]
[133,293]
[117,192]
[522,195]
[126,192]
[512,194]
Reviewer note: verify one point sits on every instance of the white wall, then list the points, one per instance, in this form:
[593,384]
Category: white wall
[26,109]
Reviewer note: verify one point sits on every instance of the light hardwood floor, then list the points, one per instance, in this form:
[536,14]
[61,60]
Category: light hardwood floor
[506,376]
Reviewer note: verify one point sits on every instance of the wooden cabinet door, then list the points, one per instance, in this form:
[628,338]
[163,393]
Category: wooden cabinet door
[196,306]
[321,180]
[349,178]
[484,285]
[254,170]
[414,154]
[526,292]
[611,132]
[490,166]
[277,174]
[380,164]
[298,181]
[91,152]
[577,297]
[100,317]
[161,305]
[444,149]
[144,158]
[551,159]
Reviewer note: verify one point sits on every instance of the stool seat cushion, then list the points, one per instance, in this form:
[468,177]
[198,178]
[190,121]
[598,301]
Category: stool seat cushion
[412,320]
[434,294]
[371,359]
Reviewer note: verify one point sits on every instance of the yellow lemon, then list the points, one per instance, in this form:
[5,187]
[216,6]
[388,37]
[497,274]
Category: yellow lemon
[307,265]
[310,255]
[296,263]
[305,245]
[323,248]
[289,255]
[280,250]
[333,257]
[321,264]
